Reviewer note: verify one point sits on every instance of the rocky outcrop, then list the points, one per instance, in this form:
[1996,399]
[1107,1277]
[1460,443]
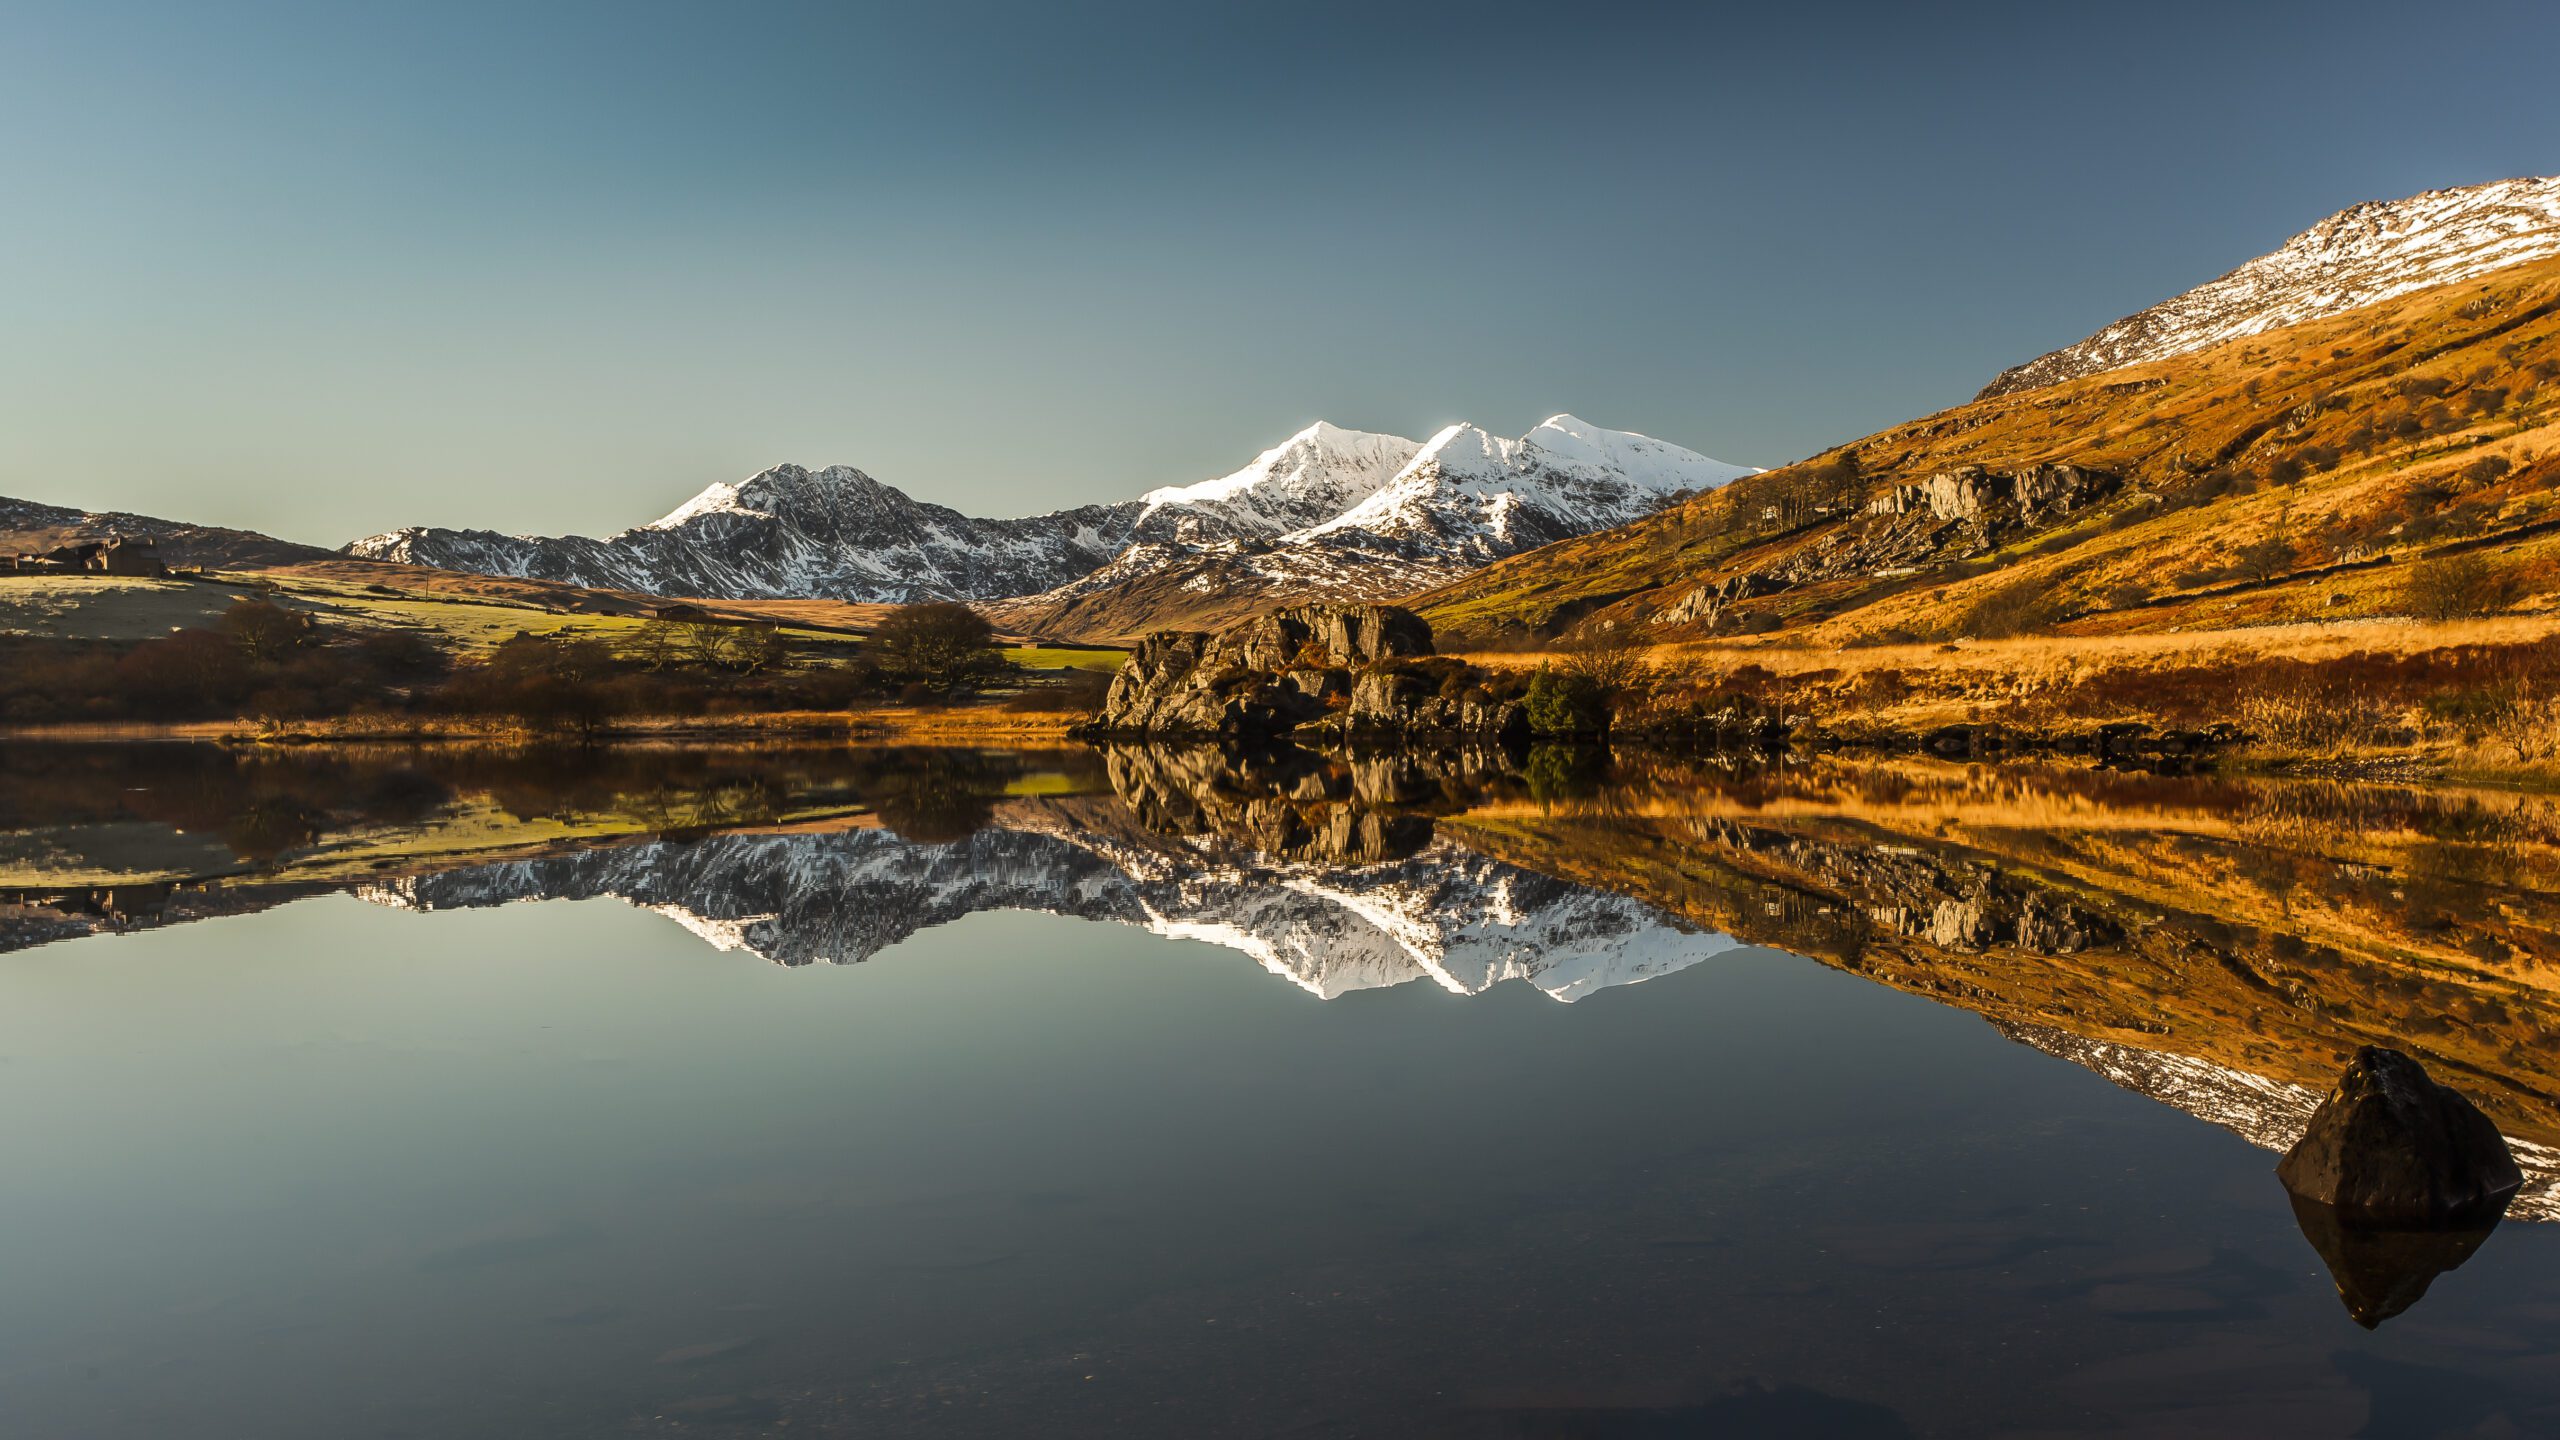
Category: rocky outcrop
[1949,516]
[1264,677]
[2390,1147]
[1409,702]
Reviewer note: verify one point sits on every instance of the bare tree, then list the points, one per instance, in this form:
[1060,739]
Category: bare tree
[1609,657]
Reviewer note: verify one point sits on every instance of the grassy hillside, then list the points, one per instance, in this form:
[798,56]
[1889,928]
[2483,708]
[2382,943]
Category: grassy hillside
[2295,476]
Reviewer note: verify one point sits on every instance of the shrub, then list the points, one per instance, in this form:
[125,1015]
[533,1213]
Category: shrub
[1565,703]
[940,643]
[2013,609]
[2454,587]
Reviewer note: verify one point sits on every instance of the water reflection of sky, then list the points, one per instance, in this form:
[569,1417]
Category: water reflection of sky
[558,1169]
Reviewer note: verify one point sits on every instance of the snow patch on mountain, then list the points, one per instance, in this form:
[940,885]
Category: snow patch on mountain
[2361,255]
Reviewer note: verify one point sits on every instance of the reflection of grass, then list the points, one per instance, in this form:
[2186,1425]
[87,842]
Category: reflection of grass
[2271,928]
[1064,657]
[1047,782]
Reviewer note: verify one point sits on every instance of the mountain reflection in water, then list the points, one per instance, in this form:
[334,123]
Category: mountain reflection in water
[2221,945]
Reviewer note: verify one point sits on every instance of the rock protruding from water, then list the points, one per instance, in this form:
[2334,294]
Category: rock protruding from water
[2392,1148]
[1264,677]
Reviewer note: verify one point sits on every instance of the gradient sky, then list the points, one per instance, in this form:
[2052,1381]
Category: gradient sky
[327,269]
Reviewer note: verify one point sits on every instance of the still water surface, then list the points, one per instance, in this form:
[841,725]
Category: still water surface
[1116,1130]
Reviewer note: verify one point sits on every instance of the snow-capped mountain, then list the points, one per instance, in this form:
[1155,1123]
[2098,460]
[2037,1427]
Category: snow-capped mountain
[1469,496]
[1311,477]
[1327,512]
[1446,915]
[2363,254]
[1459,501]
[834,533]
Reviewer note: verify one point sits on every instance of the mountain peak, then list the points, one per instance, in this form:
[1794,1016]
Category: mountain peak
[1320,471]
[2361,255]
[760,492]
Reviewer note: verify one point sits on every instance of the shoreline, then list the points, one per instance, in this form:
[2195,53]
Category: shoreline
[920,725]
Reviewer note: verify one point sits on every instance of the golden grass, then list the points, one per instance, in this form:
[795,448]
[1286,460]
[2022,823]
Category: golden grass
[2159,426]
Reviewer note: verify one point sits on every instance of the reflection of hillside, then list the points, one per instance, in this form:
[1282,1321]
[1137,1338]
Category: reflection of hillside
[2265,928]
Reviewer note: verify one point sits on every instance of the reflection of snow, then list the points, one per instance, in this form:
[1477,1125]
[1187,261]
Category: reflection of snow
[1447,915]
[2271,1114]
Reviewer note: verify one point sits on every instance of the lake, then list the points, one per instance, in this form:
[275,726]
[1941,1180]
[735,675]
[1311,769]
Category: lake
[1176,1093]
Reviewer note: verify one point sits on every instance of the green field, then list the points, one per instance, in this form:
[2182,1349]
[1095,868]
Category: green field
[1065,657]
[117,609]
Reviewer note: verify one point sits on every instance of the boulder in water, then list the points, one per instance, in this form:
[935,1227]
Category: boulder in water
[2390,1147]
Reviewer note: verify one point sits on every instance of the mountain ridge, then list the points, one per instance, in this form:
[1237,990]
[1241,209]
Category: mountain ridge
[1327,513]
[2367,253]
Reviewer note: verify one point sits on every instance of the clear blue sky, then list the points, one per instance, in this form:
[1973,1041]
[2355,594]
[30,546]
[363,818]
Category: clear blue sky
[326,269]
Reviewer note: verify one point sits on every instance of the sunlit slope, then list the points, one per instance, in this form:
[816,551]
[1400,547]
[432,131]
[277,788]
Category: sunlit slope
[2279,476]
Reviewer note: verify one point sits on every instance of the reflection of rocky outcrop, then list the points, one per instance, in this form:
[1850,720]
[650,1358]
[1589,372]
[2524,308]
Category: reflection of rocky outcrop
[1287,803]
[1949,902]
[1295,804]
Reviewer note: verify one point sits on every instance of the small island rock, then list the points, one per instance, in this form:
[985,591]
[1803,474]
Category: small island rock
[2392,1147]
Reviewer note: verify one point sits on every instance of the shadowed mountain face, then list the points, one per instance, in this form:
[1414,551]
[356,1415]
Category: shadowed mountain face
[2216,945]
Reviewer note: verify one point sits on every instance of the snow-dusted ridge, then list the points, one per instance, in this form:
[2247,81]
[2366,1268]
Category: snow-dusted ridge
[1446,916]
[1461,500]
[1328,511]
[2359,256]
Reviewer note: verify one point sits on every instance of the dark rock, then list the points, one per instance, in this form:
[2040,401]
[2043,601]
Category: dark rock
[2382,1270]
[1261,678]
[2390,1147]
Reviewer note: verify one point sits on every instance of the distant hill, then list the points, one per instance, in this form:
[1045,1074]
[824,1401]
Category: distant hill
[27,527]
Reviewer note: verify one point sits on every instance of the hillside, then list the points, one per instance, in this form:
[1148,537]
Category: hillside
[28,527]
[2293,476]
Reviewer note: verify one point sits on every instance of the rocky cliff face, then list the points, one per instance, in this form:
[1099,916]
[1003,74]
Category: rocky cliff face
[2362,254]
[1263,676]
[1951,515]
